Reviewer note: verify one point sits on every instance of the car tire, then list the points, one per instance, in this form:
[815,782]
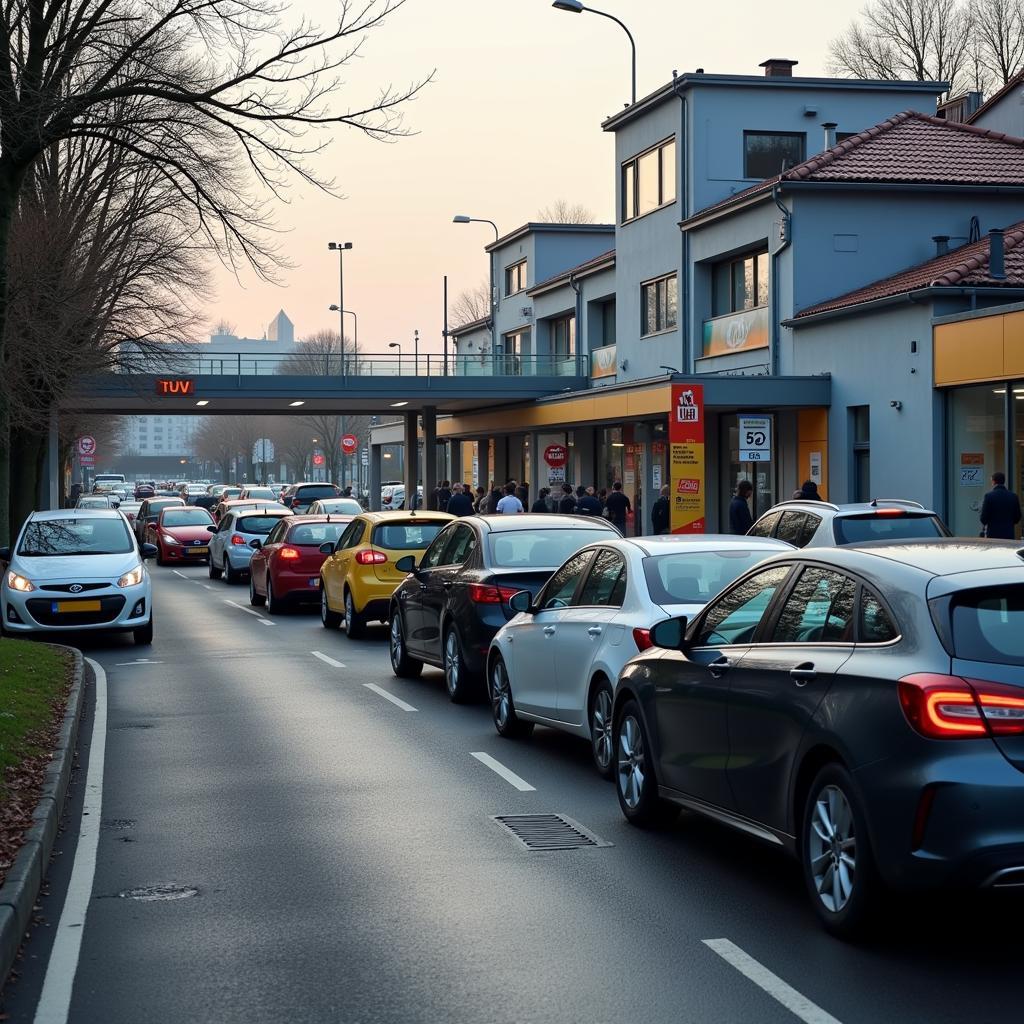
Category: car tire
[458,680]
[355,623]
[330,620]
[503,709]
[143,635]
[230,575]
[401,664]
[275,606]
[636,783]
[599,715]
[160,560]
[214,570]
[256,600]
[836,856]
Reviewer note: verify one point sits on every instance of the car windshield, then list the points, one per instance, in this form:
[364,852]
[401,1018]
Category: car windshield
[305,494]
[347,506]
[540,549]
[315,534]
[988,625]
[694,577]
[409,536]
[47,537]
[886,526]
[187,517]
[259,525]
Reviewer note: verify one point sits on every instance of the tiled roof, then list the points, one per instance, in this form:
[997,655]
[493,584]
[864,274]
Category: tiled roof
[908,148]
[965,266]
[579,269]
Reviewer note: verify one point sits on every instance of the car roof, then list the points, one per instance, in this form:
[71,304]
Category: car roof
[672,543]
[848,508]
[543,521]
[385,516]
[49,515]
[944,556]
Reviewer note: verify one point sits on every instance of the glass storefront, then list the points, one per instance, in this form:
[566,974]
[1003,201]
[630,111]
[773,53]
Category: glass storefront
[978,427]
[762,475]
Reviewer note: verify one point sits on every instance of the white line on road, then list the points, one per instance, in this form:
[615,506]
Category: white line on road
[506,773]
[797,1004]
[267,622]
[389,696]
[206,586]
[329,661]
[181,574]
[141,661]
[248,611]
[55,1000]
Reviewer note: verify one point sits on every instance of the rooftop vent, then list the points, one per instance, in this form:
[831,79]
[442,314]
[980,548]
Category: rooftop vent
[941,244]
[830,133]
[778,67]
[996,251]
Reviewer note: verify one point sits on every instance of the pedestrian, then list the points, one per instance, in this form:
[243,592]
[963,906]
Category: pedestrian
[809,491]
[740,519]
[347,493]
[541,504]
[491,502]
[481,493]
[444,495]
[460,503]
[586,503]
[618,507]
[567,503]
[509,505]
[661,512]
[523,494]
[1000,510]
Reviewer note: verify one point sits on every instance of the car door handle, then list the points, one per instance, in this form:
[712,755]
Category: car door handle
[720,667]
[803,674]
[549,630]
[594,631]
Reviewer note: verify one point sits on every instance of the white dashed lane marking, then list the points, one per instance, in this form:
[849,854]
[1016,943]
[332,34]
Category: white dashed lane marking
[327,660]
[389,696]
[506,773]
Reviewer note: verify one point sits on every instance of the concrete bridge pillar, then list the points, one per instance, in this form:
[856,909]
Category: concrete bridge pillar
[411,461]
[429,453]
[375,460]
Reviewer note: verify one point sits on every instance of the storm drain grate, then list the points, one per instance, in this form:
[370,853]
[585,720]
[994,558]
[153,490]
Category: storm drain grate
[548,832]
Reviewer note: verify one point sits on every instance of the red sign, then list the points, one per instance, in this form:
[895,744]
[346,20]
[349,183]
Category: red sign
[87,460]
[556,455]
[86,445]
[686,462]
[349,444]
[175,386]
[318,460]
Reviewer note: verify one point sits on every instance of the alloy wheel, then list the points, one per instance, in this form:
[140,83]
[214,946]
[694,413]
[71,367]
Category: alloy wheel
[397,643]
[632,769]
[832,848]
[349,612]
[451,661]
[323,604]
[501,697]
[601,728]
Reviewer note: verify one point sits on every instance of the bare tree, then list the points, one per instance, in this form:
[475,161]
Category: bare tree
[224,326]
[561,211]
[999,38]
[472,304]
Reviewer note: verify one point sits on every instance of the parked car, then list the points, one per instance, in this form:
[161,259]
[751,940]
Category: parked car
[77,570]
[259,493]
[447,611]
[335,506]
[396,500]
[143,491]
[149,512]
[816,523]
[237,503]
[107,500]
[285,568]
[862,707]
[230,550]
[556,663]
[298,497]
[181,535]
[130,509]
[189,491]
[359,577]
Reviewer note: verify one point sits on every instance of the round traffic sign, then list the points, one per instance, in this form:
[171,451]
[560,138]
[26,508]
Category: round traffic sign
[556,455]
[86,445]
[349,444]
[318,460]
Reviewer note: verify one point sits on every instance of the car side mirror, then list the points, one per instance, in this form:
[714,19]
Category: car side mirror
[211,529]
[670,634]
[521,601]
[327,548]
[256,544]
[406,564]
[149,551]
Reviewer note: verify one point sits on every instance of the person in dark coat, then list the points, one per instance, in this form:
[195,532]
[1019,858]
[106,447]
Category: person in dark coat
[567,503]
[618,507]
[661,512]
[1000,511]
[809,491]
[541,504]
[740,519]
[460,503]
[444,495]
[586,503]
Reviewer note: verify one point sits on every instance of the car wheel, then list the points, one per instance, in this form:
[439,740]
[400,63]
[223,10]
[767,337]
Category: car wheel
[838,862]
[331,620]
[503,708]
[401,664]
[635,780]
[275,606]
[230,575]
[601,744]
[160,556]
[214,570]
[256,600]
[355,624]
[458,679]
[143,635]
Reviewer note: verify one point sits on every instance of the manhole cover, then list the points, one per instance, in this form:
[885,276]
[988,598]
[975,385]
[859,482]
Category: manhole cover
[154,893]
[548,832]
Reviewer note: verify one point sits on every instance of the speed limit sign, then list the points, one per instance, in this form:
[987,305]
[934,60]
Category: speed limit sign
[86,445]
[755,439]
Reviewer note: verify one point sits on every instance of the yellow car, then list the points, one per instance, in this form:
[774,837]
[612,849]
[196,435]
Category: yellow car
[359,575]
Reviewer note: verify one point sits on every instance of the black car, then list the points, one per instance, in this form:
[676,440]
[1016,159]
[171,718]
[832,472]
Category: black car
[144,491]
[149,512]
[860,707]
[298,497]
[447,611]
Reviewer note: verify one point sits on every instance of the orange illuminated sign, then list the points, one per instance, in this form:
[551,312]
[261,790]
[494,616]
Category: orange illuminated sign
[175,386]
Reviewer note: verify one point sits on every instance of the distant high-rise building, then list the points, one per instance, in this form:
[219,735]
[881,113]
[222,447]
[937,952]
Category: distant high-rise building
[281,329]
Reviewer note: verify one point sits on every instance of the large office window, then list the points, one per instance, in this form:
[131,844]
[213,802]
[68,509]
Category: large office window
[658,304]
[649,180]
[515,278]
[563,337]
[740,283]
[766,154]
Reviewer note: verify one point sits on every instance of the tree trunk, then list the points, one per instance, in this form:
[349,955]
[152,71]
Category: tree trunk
[10,183]
[25,475]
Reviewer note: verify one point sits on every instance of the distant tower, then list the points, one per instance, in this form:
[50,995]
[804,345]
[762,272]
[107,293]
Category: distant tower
[281,329]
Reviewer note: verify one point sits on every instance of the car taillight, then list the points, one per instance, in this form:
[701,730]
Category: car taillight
[287,552]
[486,593]
[948,707]
[642,638]
[237,539]
[371,557]
[889,512]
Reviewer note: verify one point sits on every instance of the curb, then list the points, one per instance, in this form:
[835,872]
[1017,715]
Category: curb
[20,890]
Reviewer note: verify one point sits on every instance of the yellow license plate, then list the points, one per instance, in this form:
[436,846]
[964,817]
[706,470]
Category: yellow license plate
[79,606]
[197,551]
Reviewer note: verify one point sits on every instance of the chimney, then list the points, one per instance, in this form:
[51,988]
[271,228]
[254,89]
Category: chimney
[778,67]
[996,253]
[941,244]
[830,133]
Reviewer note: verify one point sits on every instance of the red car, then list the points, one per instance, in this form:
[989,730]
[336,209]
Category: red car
[181,535]
[286,566]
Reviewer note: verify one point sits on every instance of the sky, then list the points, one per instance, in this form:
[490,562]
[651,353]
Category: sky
[509,123]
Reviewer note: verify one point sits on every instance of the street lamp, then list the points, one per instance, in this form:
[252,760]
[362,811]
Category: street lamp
[461,218]
[395,344]
[340,248]
[576,7]
[335,308]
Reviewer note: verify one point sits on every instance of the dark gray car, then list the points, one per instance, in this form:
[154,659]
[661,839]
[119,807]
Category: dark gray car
[862,707]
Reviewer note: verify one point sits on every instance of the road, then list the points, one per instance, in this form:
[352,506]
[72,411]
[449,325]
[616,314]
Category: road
[346,865]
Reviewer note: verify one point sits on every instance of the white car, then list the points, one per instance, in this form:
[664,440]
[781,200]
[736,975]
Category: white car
[231,544]
[557,661]
[335,506]
[77,570]
[108,500]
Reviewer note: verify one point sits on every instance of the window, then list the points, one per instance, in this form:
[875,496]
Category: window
[515,278]
[314,534]
[819,610]
[563,337]
[649,180]
[434,555]
[45,538]
[608,323]
[987,625]
[766,154]
[259,525]
[695,578]
[860,422]
[409,536]
[461,545]
[606,584]
[739,284]
[658,301]
[539,549]
[875,625]
[764,526]
[735,617]
[558,593]
[351,537]
[277,533]
[516,344]
[798,528]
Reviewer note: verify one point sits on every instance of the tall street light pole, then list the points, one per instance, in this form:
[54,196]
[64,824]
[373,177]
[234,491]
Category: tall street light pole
[334,308]
[461,218]
[576,7]
[341,247]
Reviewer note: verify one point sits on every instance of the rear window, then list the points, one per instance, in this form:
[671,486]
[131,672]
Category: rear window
[886,526]
[988,625]
[156,506]
[345,506]
[316,491]
[316,534]
[260,525]
[261,492]
[405,536]
[187,517]
[695,577]
[539,549]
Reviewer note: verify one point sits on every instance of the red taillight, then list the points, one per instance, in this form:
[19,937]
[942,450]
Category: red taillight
[947,707]
[487,593]
[371,557]
[287,552]
[237,539]
[889,512]
[642,638]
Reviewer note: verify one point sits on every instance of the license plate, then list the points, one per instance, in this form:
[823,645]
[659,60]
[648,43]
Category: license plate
[75,606]
[197,551]
[314,581]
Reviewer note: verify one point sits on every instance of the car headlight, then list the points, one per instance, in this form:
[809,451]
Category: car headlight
[167,538]
[131,579]
[16,582]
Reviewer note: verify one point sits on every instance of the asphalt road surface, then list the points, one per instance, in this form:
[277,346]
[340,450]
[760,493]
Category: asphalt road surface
[336,826]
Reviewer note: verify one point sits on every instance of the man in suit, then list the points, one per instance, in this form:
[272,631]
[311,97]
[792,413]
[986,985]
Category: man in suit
[1000,511]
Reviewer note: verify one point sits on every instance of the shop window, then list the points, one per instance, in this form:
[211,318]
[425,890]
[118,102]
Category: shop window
[977,449]
[860,422]
[658,304]
[766,154]
[740,283]
[649,180]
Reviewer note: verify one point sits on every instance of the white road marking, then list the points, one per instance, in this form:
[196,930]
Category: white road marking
[181,574]
[55,1000]
[206,586]
[799,1005]
[141,661]
[329,661]
[267,622]
[241,608]
[389,696]
[506,773]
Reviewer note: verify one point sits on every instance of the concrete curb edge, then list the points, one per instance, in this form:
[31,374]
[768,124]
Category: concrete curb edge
[21,887]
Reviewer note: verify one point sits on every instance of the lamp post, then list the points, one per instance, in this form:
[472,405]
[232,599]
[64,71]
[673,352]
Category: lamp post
[335,308]
[340,247]
[461,218]
[395,344]
[576,7]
